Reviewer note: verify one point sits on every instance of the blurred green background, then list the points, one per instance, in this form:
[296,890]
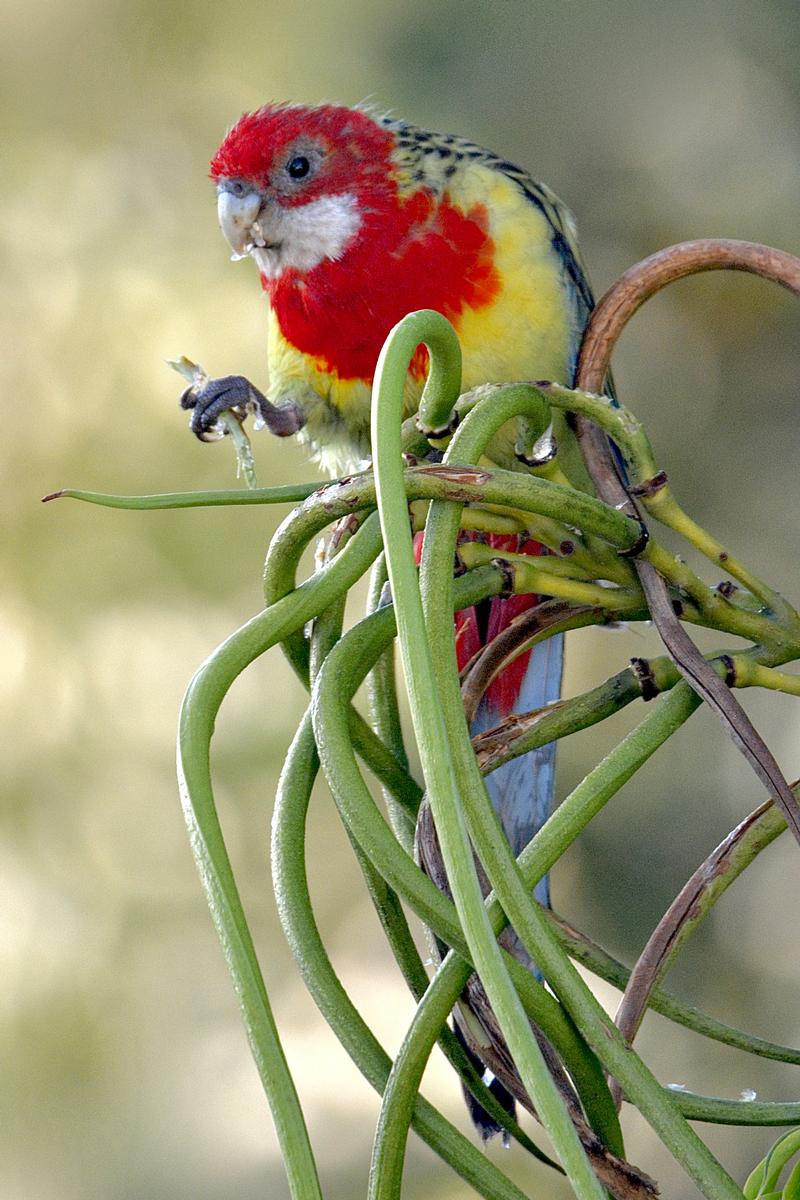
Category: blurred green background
[125,1069]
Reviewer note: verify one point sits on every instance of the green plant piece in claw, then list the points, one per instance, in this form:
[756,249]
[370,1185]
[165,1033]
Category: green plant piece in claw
[194,374]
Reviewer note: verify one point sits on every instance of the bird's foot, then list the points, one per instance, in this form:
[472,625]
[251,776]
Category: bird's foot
[233,393]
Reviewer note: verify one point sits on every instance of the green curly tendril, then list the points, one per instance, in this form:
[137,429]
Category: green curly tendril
[588,540]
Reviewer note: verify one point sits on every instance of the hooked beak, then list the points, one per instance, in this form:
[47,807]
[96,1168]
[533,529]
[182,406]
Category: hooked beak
[236,216]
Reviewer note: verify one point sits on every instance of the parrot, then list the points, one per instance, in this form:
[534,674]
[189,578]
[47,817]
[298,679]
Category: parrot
[354,219]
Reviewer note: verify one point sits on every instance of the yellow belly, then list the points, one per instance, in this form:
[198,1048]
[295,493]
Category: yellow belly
[529,332]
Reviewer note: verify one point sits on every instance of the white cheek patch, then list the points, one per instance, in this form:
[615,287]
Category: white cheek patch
[304,236]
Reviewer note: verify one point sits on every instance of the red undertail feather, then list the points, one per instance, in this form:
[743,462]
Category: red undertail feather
[472,634]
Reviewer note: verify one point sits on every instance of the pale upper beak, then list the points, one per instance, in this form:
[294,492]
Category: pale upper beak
[236,216]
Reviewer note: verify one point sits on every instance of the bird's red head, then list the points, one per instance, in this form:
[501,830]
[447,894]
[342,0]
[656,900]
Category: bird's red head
[351,227]
[302,153]
[296,185]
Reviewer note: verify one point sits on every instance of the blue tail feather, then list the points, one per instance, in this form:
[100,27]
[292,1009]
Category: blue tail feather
[522,790]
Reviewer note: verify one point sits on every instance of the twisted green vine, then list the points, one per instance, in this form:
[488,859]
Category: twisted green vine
[589,541]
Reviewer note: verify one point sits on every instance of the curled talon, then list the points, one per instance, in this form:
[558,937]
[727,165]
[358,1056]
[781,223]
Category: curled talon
[208,399]
[237,395]
[188,400]
[188,397]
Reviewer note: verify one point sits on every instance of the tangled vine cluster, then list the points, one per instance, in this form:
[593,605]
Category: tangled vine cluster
[605,564]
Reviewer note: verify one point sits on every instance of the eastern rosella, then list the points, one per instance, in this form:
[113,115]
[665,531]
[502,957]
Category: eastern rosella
[355,220]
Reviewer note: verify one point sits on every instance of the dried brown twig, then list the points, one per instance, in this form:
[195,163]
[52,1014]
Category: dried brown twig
[608,320]
[690,906]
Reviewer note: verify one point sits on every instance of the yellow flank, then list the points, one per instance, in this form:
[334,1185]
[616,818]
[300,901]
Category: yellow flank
[528,332]
[336,410]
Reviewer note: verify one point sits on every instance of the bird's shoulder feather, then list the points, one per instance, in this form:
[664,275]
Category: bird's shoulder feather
[440,161]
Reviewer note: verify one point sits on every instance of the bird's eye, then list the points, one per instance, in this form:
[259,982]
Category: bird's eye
[299,167]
